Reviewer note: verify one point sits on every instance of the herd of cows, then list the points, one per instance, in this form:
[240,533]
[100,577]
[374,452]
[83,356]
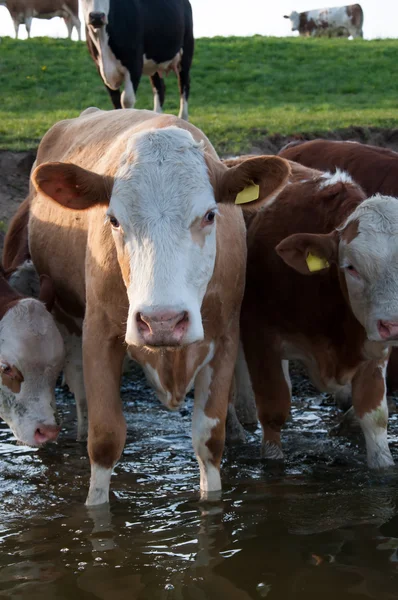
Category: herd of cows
[137,240]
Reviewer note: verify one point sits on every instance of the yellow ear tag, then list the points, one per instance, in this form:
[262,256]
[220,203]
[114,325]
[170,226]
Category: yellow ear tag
[315,263]
[250,193]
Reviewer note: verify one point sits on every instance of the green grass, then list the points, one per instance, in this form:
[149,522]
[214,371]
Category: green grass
[242,88]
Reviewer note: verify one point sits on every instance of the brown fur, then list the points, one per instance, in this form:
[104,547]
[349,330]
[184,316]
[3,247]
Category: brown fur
[12,380]
[374,169]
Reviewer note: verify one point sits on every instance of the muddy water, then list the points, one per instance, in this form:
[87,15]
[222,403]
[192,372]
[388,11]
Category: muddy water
[321,526]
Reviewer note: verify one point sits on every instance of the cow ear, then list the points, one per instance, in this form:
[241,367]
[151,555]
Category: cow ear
[251,182]
[309,253]
[71,186]
[47,292]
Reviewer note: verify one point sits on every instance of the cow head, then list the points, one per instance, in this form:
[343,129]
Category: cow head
[31,357]
[95,13]
[294,20]
[162,211]
[365,249]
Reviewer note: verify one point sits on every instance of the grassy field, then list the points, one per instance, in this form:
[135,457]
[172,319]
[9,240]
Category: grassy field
[242,88]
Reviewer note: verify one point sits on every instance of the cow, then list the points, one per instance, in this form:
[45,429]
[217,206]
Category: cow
[31,358]
[24,11]
[132,216]
[341,21]
[128,38]
[374,169]
[322,288]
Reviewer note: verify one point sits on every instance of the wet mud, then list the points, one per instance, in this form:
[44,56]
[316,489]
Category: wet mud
[319,524]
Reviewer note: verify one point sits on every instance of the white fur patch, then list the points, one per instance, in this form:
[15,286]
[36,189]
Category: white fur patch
[328,178]
[99,485]
[202,426]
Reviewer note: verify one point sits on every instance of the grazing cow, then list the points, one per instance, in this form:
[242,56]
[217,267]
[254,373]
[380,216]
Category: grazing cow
[128,38]
[24,11]
[31,357]
[322,288]
[374,169]
[341,21]
[124,218]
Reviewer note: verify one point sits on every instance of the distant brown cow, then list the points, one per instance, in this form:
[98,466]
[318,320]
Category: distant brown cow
[24,11]
[339,21]
[322,288]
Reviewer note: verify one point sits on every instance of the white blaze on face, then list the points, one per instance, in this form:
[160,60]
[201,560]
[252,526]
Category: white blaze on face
[295,20]
[370,264]
[95,6]
[162,199]
[31,345]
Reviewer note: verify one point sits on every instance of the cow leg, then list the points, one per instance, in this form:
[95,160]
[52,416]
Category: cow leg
[132,78]
[16,27]
[159,92]
[28,25]
[369,399]
[184,82]
[245,402]
[69,25]
[115,97]
[212,391]
[107,428]
[270,380]
[74,377]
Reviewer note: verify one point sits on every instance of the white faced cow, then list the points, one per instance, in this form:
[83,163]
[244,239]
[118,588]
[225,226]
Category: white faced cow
[128,38]
[31,358]
[133,215]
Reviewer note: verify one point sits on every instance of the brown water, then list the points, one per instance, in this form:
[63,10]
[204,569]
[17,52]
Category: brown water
[322,526]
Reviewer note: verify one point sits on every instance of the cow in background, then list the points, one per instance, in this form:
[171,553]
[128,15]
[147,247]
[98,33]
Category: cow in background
[24,11]
[128,38]
[341,21]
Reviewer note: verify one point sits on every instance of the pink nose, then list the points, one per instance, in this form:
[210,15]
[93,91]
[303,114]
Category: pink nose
[163,328]
[46,433]
[388,329]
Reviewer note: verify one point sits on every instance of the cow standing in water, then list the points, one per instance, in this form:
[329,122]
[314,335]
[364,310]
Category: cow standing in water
[130,38]
[124,212]
[340,21]
[24,11]
[322,288]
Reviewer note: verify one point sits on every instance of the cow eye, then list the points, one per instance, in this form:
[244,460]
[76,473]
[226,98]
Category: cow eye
[5,368]
[114,222]
[352,270]
[209,217]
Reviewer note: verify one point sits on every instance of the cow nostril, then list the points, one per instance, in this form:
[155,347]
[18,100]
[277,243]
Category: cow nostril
[142,324]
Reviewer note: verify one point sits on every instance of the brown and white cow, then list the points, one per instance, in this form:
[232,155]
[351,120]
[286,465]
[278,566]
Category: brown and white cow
[31,358]
[339,21]
[322,288]
[24,11]
[133,216]
[374,169]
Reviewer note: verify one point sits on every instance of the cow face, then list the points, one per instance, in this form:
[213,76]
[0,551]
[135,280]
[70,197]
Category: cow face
[31,357]
[294,20]
[365,249]
[95,13]
[163,212]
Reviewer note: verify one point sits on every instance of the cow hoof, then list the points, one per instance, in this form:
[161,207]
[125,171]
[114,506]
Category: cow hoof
[271,451]
[234,432]
[381,460]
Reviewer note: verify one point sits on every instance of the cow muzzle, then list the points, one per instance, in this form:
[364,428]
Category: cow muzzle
[97,19]
[46,433]
[162,328]
[388,330]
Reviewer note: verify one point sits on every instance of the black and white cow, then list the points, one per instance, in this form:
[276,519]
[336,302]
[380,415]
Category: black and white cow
[128,38]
